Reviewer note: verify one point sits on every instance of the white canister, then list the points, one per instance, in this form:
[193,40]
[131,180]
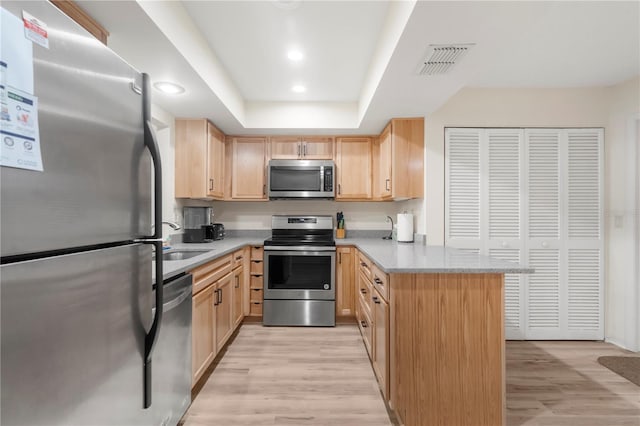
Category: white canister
[405,228]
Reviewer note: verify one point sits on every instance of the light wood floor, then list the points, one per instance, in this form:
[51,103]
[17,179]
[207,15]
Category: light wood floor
[562,383]
[291,376]
[322,376]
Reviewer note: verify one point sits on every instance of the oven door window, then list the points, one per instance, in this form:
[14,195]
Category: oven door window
[293,272]
[295,179]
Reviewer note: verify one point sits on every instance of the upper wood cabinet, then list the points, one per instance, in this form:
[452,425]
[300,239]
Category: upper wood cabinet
[248,168]
[400,162]
[301,148]
[353,164]
[199,171]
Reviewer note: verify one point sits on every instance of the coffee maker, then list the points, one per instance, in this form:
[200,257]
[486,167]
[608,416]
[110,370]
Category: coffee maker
[196,222]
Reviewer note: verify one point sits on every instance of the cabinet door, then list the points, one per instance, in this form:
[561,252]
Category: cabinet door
[317,148]
[191,159]
[248,175]
[346,285]
[238,291]
[286,148]
[381,342]
[224,309]
[385,160]
[215,183]
[203,332]
[353,160]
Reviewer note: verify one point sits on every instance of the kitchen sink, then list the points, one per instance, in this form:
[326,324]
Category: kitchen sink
[183,254]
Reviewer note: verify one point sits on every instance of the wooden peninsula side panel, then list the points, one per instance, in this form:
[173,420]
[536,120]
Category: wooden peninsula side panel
[447,349]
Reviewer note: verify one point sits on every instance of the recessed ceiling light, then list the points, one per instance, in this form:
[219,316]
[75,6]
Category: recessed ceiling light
[287,4]
[298,88]
[168,87]
[295,55]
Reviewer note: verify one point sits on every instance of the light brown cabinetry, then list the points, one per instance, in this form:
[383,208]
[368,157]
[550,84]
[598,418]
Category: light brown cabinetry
[248,168]
[354,165]
[217,307]
[199,166]
[224,309]
[345,282]
[302,148]
[373,317]
[400,162]
[256,281]
[203,332]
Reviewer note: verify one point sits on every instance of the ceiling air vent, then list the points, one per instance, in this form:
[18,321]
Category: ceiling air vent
[440,58]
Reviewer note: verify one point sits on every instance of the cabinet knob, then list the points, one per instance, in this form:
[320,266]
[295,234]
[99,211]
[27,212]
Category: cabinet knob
[386,184]
[363,324]
[376,300]
[378,281]
[363,291]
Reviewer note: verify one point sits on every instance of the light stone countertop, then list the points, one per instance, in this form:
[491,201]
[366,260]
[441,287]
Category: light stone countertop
[415,258]
[392,257]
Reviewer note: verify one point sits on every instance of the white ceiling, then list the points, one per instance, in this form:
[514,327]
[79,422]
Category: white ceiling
[361,56]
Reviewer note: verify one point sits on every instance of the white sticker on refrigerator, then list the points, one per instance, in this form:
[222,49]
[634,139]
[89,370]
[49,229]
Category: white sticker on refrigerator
[35,30]
[16,54]
[19,135]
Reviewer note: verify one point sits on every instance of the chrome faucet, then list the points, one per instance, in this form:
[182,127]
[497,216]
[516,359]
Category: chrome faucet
[388,237]
[173,225]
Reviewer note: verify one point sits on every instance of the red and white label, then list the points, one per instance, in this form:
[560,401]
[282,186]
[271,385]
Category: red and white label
[35,30]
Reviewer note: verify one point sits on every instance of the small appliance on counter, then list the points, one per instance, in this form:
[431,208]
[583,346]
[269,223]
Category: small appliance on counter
[196,222]
[405,228]
[214,232]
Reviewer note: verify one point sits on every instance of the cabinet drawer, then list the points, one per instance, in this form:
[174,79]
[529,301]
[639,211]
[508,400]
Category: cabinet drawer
[365,292]
[256,308]
[256,253]
[237,259]
[256,267]
[256,281]
[365,325]
[364,265]
[207,274]
[255,295]
[380,281]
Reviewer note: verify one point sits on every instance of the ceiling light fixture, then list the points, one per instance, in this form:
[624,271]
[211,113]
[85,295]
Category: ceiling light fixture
[295,55]
[298,88]
[168,87]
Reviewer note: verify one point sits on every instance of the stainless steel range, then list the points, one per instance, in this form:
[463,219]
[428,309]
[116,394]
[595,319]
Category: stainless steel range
[299,269]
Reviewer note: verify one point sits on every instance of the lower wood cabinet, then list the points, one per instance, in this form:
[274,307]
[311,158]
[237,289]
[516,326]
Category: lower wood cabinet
[345,282]
[224,311]
[380,358]
[203,332]
[238,295]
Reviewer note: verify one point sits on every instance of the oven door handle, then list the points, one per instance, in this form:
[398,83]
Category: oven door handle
[331,254]
[295,249]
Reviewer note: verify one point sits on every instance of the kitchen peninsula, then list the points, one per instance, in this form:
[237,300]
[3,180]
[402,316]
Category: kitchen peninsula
[439,350]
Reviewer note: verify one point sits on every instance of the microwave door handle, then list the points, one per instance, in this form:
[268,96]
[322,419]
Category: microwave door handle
[322,189]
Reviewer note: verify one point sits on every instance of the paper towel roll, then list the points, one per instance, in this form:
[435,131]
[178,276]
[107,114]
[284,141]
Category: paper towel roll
[405,228]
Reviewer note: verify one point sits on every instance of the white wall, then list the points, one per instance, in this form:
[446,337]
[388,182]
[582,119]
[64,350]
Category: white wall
[164,124]
[622,215]
[257,215]
[608,107]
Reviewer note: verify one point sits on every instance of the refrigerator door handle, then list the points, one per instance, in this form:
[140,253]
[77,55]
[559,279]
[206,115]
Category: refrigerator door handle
[156,239]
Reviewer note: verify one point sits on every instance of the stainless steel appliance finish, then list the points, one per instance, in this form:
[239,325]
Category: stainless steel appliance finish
[73,333]
[196,222]
[97,173]
[78,329]
[300,313]
[172,359]
[301,179]
[299,271]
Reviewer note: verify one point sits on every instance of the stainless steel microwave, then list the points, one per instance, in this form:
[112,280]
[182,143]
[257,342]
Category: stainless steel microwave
[301,179]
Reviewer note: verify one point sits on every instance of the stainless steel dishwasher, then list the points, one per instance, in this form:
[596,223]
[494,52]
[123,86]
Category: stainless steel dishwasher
[171,359]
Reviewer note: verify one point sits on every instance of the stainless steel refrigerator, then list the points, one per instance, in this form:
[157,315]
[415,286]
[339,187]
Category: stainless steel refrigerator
[77,318]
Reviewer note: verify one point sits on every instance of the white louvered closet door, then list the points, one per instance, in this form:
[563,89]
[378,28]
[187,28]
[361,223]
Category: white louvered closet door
[543,217]
[583,233]
[502,205]
[462,181]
